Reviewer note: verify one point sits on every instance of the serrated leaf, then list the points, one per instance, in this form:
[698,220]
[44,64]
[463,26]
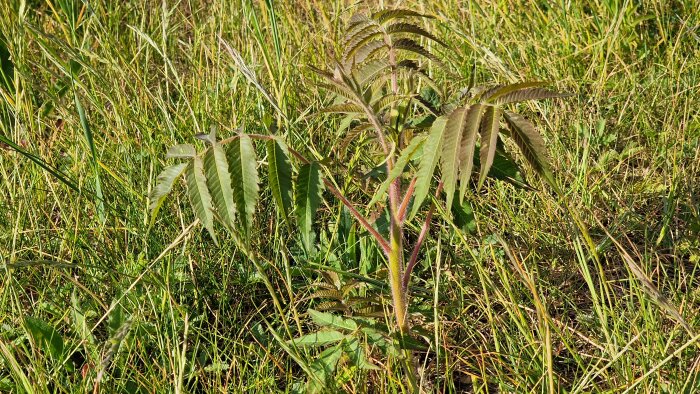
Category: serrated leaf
[466,153]
[529,94]
[403,27]
[404,158]
[494,93]
[489,139]
[307,199]
[331,306]
[408,44]
[344,108]
[333,321]
[356,23]
[383,102]
[164,184]
[219,181]
[280,177]
[319,338]
[200,199]
[356,42]
[390,14]
[366,51]
[449,157]
[45,337]
[339,90]
[370,70]
[530,143]
[428,162]
[242,163]
[181,151]
[326,293]
[352,134]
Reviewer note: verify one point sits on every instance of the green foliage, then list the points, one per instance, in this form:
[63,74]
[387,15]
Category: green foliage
[219,180]
[46,338]
[280,177]
[307,199]
[200,198]
[510,292]
[244,171]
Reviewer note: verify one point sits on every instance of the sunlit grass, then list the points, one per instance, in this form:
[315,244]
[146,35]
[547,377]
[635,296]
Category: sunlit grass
[520,294]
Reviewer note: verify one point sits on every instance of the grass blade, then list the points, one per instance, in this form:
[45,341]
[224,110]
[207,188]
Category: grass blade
[99,197]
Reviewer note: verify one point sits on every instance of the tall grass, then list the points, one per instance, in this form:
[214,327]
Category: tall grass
[509,296]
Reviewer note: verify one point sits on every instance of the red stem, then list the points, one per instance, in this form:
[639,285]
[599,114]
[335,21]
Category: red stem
[406,200]
[421,237]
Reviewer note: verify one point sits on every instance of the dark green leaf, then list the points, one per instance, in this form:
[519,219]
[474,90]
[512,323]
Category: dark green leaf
[357,355]
[464,216]
[307,199]
[280,177]
[323,368]
[7,68]
[45,337]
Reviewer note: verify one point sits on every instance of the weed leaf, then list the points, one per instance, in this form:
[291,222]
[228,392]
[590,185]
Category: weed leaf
[428,162]
[45,337]
[242,163]
[280,177]
[307,199]
[329,320]
[489,139]
[199,195]
[319,338]
[466,149]
[164,184]
[219,181]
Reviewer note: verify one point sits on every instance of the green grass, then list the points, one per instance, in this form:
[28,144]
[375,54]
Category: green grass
[518,303]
